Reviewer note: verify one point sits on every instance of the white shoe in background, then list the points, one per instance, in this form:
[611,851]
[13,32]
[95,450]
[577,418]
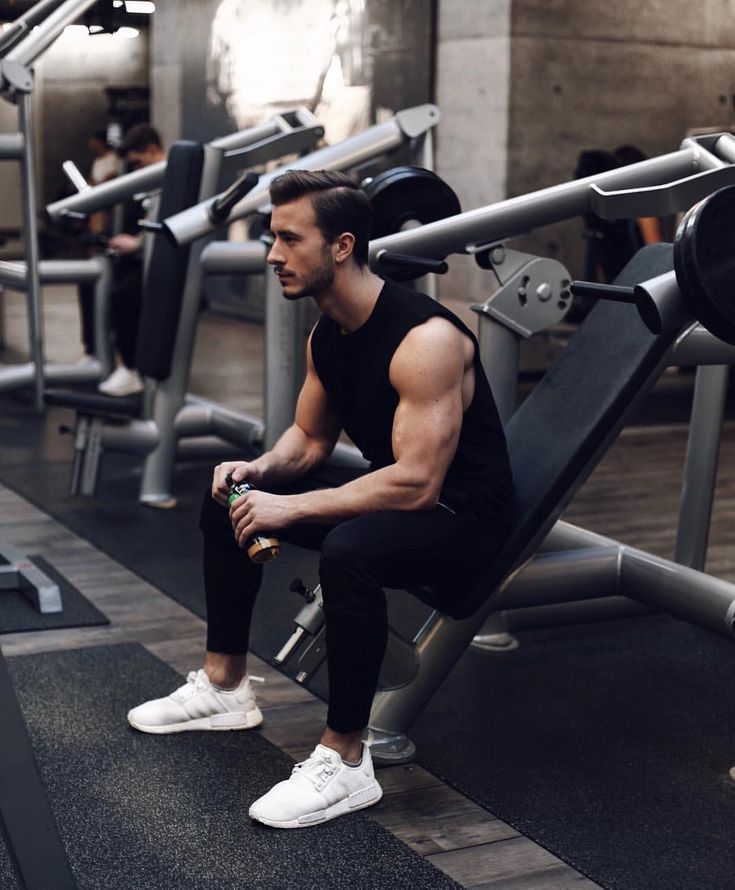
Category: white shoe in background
[122,382]
[198,705]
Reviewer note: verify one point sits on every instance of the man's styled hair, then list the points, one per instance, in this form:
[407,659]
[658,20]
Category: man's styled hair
[139,137]
[339,204]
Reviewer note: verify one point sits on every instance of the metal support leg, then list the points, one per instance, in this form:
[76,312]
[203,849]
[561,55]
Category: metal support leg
[102,313]
[30,244]
[499,354]
[284,358]
[92,456]
[700,466]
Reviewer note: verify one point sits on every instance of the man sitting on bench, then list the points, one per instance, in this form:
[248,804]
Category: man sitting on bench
[402,376]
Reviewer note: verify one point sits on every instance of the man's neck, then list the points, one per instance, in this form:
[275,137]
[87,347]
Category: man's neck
[351,299]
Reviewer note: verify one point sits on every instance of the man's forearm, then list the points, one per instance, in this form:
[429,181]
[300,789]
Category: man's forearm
[293,455]
[389,488]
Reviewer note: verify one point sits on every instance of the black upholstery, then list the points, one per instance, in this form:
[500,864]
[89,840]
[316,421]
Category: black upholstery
[88,402]
[163,288]
[558,434]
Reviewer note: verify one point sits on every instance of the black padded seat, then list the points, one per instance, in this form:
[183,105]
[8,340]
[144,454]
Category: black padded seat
[560,432]
[96,402]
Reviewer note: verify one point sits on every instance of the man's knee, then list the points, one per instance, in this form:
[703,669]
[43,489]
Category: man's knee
[346,571]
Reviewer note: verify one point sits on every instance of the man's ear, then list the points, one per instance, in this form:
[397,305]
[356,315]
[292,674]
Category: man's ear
[344,244]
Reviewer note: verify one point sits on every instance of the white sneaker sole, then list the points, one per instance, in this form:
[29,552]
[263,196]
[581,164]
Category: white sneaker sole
[217,723]
[356,801]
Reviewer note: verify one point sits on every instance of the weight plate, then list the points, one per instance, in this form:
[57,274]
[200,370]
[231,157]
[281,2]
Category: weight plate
[704,260]
[409,195]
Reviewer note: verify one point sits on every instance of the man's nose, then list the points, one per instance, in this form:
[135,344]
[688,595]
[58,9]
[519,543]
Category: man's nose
[274,257]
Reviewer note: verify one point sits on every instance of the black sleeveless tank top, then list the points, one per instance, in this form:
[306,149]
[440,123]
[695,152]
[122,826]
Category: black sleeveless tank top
[354,370]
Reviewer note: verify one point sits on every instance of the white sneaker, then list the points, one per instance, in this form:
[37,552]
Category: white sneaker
[122,382]
[199,705]
[86,361]
[321,788]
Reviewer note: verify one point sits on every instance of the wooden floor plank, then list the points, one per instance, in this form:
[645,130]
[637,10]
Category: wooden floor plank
[436,819]
[513,864]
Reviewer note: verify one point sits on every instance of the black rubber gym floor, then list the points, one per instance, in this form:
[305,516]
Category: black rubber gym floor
[170,812]
[608,744]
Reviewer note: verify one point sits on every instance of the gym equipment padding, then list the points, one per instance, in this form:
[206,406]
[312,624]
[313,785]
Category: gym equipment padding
[573,410]
[166,274]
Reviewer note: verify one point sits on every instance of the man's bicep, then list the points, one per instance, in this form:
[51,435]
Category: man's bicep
[315,413]
[427,373]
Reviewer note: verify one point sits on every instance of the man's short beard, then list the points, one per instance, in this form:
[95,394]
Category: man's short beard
[321,279]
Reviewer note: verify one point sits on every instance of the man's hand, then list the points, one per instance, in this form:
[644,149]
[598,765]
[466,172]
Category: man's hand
[124,243]
[241,471]
[260,512]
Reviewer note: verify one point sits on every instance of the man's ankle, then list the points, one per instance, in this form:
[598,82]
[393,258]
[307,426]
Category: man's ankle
[348,745]
[225,671]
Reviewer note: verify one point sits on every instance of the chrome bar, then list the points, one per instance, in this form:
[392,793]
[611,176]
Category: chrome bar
[700,465]
[696,346]
[30,244]
[380,139]
[11,146]
[43,35]
[146,179]
[725,147]
[233,257]
[519,215]
[20,27]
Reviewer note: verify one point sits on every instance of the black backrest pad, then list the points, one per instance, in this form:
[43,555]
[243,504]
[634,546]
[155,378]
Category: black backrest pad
[559,432]
[163,287]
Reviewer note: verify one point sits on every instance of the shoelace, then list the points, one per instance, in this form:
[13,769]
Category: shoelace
[194,683]
[317,769]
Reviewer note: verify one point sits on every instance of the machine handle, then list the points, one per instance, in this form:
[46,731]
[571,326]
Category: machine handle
[387,261]
[220,208]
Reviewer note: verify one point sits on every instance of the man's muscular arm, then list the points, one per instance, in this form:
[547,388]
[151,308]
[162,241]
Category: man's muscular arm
[427,371]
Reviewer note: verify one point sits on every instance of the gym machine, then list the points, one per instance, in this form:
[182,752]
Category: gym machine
[554,438]
[184,424]
[290,132]
[20,46]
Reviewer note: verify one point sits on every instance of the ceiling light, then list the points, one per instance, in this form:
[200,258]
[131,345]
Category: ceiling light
[118,3]
[77,30]
[96,29]
[146,7]
[127,33]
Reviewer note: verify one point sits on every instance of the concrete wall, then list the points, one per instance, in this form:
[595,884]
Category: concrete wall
[473,91]
[593,74]
[73,75]
[525,85]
